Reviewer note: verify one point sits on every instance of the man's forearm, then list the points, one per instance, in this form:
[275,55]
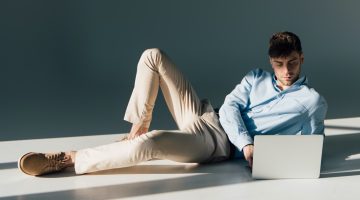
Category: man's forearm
[234,127]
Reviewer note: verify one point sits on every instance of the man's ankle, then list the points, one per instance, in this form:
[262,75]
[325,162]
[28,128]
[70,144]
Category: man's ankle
[72,157]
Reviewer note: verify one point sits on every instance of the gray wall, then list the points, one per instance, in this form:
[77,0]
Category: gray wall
[67,67]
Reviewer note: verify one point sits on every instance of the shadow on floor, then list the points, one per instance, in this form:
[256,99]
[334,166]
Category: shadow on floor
[210,176]
[238,166]
[336,152]
[223,167]
[9,165]
[343,128]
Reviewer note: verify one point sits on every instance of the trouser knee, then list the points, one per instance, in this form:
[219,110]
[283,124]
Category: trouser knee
[153,54]
[154,59]
[152,51]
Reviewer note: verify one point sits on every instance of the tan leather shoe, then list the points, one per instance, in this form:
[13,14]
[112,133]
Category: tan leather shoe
[36,164]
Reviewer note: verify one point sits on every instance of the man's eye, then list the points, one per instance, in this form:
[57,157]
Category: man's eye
[293,63]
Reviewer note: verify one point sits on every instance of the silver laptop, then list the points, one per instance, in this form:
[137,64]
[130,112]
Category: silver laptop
[287,156]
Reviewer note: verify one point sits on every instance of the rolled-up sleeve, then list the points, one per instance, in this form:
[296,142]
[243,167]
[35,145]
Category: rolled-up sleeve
[230,112]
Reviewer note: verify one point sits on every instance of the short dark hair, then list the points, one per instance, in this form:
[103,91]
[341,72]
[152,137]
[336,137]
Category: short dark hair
[282,44]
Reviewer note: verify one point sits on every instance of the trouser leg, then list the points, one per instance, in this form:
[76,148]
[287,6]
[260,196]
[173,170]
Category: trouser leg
[156,69]
[191,143]
[173,145]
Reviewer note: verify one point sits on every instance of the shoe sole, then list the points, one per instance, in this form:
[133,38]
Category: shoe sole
[21,169]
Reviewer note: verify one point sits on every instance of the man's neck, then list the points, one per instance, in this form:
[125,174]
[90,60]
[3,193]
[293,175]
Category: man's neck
[283,87]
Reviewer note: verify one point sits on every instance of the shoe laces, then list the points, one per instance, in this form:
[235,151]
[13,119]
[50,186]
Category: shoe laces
[56,160]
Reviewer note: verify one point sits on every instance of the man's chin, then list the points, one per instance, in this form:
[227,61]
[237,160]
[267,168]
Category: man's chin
[287,83]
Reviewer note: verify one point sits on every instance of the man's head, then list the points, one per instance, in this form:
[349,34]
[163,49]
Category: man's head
[286,57]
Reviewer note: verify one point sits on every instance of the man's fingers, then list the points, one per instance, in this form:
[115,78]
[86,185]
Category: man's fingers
[130,137]
[122,138]
[251,162]
[134,135]
[249,159]
[248,152]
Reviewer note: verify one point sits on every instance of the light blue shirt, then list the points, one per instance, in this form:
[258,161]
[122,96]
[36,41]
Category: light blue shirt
[258,107]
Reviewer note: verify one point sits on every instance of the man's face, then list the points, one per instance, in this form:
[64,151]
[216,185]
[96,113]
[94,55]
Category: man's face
[287,69]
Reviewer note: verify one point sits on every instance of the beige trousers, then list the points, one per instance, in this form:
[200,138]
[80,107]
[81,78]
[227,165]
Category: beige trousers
[200,137]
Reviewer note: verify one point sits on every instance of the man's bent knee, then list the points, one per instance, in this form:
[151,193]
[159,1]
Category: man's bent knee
[151,58]
[152,52]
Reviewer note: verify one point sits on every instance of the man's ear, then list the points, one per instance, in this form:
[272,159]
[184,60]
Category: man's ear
[302,58]
[271,62]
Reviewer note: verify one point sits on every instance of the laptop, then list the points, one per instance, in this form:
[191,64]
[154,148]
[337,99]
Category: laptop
[287,156]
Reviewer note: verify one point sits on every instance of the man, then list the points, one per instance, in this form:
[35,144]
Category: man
[278,103]
[247,111]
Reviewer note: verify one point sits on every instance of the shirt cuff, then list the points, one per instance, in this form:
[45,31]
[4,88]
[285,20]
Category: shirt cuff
[242,140]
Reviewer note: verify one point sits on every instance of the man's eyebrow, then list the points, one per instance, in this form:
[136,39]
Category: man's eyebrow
[278,61]
[292,59]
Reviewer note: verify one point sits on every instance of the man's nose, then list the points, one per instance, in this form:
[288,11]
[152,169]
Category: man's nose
[286,69]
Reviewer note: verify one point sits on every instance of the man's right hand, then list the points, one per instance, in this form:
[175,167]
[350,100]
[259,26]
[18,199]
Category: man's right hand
[248,153]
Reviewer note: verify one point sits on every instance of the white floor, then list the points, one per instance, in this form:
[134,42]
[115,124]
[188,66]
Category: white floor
[340,174]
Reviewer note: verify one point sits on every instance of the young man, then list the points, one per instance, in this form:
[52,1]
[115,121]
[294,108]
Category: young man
[261,104]
[273,103]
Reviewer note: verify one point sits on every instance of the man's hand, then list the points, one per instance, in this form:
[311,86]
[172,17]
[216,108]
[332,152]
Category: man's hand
[136,130]
[248,153]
